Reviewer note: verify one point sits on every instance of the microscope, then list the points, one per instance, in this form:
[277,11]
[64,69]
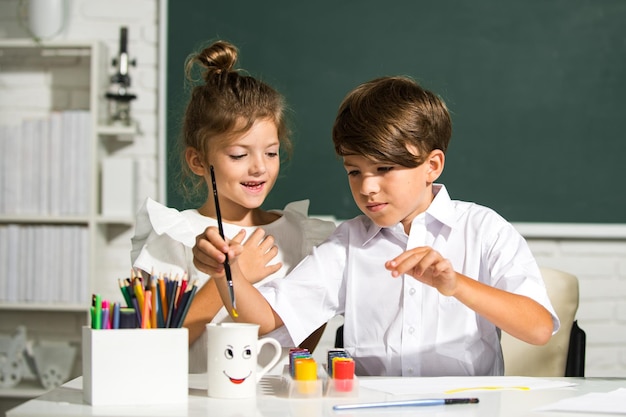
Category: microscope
[119,95]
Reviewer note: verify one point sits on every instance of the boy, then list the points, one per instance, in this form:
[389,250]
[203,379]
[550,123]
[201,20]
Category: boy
[424,283]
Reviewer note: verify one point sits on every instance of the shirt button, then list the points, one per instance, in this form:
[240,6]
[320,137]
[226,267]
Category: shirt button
[412,291]
[410,370]
[411,330]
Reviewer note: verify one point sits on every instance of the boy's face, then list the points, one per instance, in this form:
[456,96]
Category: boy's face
[390,194]
[246,169]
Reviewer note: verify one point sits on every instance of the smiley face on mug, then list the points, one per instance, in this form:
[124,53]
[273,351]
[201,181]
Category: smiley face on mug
[233,350]
[238,363]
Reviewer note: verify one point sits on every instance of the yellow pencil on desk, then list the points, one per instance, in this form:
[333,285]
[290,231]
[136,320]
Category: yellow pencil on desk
[218,214]
[486,388]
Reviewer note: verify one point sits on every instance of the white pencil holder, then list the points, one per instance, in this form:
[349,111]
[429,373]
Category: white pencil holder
[135,366]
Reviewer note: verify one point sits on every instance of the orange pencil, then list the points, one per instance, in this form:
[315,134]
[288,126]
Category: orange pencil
[145,316]
[153,303]
[163,296]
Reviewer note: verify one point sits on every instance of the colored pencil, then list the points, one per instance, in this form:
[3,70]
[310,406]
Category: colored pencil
[145,316]
[188,299]
[153,302]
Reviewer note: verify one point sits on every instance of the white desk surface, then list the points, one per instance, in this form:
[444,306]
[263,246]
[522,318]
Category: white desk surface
[67,401]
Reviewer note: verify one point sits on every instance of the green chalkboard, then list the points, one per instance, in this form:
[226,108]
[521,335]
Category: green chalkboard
[536,89]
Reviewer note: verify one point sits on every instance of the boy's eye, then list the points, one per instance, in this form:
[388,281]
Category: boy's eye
[237,157]
[384,169]
[272,154]
[352,173]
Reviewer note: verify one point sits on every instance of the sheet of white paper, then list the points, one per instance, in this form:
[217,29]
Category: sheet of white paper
[453,385]
[613,402]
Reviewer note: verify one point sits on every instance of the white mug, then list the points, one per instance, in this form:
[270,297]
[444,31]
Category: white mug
[232,352]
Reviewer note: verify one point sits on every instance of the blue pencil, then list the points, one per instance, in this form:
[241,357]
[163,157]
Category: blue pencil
[186,303]
[116,315]
[407,403]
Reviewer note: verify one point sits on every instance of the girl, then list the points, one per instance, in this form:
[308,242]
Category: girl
[237,124]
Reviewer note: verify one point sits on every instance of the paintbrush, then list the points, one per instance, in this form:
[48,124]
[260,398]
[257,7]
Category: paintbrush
[218,214]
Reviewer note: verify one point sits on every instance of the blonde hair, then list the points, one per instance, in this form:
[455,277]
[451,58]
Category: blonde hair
[224,102]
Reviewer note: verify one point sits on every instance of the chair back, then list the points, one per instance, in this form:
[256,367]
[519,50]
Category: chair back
[551,359]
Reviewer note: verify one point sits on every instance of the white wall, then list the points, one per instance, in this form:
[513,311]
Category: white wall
[93,20]
[599,263]
[101,20]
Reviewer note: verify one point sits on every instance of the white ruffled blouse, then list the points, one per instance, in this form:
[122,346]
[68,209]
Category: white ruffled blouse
[164,238]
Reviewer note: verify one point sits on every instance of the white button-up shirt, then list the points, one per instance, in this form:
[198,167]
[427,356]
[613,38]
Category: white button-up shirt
[399,326]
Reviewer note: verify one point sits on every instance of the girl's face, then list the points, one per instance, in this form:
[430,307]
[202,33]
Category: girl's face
[246,168]
[390,194]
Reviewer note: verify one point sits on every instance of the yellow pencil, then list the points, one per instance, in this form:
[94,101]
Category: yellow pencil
[139,293]
[487,388]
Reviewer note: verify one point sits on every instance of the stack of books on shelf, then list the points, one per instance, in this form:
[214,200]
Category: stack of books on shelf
[44,264]
[45,174]
[45,165]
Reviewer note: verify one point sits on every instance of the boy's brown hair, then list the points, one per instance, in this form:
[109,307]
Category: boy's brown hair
[381,118]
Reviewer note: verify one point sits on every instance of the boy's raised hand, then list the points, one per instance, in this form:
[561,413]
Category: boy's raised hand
[426,265]
[515,314]
[209,252]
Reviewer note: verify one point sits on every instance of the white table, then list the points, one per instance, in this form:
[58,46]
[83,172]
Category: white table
[67,401]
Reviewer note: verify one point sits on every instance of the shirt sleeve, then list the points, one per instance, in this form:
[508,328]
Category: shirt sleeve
[311,294]
[142,231]
[161,236]
[514,269]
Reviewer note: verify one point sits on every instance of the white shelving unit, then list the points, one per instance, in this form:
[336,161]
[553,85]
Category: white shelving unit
[57,63]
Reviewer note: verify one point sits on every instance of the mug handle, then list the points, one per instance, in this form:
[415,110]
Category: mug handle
[278,352]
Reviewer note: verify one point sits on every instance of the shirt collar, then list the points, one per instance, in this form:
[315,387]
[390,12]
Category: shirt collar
[371,229]
[440,209]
